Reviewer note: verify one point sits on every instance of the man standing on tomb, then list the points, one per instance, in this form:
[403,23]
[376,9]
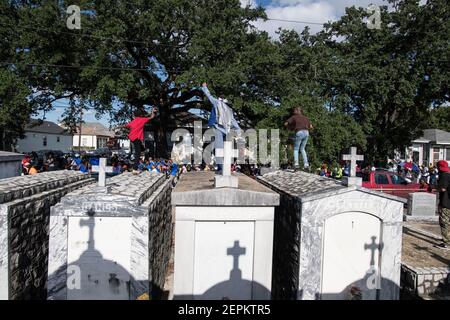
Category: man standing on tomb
[301,125]
[221,119]
[443,187]
[136,134]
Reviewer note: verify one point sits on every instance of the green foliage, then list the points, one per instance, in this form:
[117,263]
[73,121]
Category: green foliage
[360,87]
[440,118]
[15,109]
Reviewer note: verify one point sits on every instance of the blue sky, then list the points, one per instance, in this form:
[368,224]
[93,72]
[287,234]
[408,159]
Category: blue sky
[319,11]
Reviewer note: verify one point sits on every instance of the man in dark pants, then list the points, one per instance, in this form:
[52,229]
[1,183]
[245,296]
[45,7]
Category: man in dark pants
[443,187]
[136,134]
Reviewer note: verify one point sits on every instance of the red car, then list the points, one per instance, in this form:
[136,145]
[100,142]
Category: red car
[391,182]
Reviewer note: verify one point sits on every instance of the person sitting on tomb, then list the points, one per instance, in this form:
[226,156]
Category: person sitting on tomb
[84,167]
[221,119]
[136,134]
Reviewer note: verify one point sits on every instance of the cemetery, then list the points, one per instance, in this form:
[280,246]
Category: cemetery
[288,235]
[136,162]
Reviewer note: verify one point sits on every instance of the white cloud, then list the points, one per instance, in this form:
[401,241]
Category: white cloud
[308,12]
[245,3]
[319,11]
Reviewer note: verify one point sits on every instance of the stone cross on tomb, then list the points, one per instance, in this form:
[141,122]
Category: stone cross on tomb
[228,154]
[236,251]
[102,169]
[353,157]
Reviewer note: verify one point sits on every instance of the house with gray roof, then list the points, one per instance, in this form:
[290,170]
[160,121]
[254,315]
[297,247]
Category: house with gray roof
[94,135]
[44,135]
[433,146]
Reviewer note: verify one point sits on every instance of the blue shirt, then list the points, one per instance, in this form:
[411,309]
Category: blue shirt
[174,171]
[84,169]
[94,161]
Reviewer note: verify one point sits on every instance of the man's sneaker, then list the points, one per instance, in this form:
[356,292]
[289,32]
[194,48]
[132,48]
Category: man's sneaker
[442,246]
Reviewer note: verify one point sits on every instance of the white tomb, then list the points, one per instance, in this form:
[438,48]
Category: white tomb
[422,206]
[101,246]
[10,164]
[334,242]
[223,238]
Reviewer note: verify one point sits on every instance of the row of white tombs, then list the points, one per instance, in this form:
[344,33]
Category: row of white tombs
[283,236]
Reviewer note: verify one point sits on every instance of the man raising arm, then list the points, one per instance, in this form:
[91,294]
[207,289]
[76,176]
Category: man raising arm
[136,134]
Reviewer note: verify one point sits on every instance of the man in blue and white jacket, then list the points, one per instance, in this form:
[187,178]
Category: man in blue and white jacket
[221,119]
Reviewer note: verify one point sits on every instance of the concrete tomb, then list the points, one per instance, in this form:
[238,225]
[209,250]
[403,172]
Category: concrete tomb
[111,242]
[223,237]
[10,164]
[333,241]
[25,204]
[422,206]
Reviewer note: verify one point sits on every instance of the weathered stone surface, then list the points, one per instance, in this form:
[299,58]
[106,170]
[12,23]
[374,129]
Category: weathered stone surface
[307,202]
[143,198]
[425,281]
[10,164]
[198,189]
[422,207]
[24,221]
[24,186]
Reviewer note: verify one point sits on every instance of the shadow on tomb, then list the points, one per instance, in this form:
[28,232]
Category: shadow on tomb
[92,277]
[235,288]
[113,242]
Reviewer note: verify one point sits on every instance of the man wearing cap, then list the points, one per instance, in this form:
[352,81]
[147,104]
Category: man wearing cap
[443,187]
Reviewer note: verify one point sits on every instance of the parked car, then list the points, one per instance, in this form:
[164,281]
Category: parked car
[390,182]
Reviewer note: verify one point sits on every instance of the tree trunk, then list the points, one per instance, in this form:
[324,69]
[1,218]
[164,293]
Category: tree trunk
[161,124]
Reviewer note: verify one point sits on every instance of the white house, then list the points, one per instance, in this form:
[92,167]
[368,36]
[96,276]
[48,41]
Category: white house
[432,147]
[44,135]
[94,135]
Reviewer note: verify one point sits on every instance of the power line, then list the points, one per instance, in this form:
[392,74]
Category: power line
[87,35]
[178,72]
[150,43]
[297,21]
[73,67]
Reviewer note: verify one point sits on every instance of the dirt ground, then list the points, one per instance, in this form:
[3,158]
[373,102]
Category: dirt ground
[419,239]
